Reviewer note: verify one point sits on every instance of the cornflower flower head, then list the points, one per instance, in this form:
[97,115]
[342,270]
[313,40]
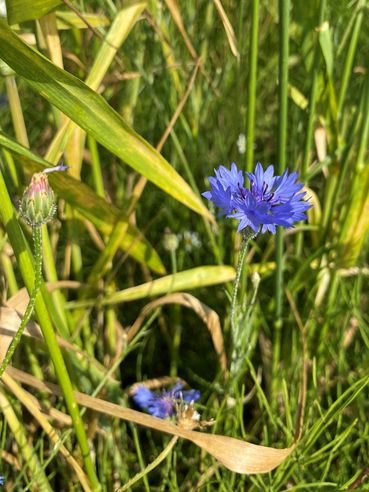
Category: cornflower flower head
[270,200]
[163,405]
[225,188]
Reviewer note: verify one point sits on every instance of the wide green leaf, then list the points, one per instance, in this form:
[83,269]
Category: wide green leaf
[90,206]
[92,113]
[182,281]
[25,10]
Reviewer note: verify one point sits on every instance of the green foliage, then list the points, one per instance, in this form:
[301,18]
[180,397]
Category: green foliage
[301,96]
[25,10]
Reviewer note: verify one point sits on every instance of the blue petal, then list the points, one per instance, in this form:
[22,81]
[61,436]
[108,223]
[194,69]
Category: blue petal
[143,396]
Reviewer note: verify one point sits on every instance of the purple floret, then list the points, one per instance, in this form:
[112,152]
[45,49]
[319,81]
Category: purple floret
[270,200]
[163,405]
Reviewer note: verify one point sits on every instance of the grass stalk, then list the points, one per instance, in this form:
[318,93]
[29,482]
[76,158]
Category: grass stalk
[251,90]
[24,259]
[52,276]
[96,166]
[349,60]
[284,22]
[7,268]
[16,110]
[39,479]
[312,98]
[151,466]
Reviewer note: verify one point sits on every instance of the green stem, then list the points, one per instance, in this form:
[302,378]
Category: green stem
[284,18]
[151,466]
[37,241]
[312,99]
[347,71]
[284,22]
[23,255]
[247,234]
[253,59]
[311,116]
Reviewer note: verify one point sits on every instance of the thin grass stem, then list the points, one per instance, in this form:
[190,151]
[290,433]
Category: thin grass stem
[312,99]
[349,60]
[24,259]
[284,22]
[253,60]
[151,466]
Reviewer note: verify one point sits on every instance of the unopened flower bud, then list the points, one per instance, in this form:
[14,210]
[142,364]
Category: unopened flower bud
[170,240]
[38,202]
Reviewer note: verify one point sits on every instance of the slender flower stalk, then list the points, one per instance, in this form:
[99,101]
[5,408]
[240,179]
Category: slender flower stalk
[37,242]
[247,235]
[237,339]
[37,207]
[23,256]
[268,202]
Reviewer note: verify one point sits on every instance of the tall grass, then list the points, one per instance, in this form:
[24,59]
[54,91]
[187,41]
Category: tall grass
[189,77]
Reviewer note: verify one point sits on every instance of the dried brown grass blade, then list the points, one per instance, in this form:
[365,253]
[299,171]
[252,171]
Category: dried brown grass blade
[28,402]
[155,383]
[9,458]
[176,14]
[9,322]
[207,315]
[320,136]
[228,28]
[10,318]
[236,455]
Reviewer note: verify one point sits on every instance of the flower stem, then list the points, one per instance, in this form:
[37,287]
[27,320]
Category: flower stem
[247,234]
[37,241]
[24,260]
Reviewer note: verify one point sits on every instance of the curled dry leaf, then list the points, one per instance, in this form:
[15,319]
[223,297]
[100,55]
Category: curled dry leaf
[236,455]
[208,316]
[228,28]
[10,319]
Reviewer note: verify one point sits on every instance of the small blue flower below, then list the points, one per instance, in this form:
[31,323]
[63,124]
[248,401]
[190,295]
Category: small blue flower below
[2,480]
[163,405]
[269,201]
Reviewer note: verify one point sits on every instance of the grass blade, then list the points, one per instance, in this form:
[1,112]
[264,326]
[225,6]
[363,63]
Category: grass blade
[92,113]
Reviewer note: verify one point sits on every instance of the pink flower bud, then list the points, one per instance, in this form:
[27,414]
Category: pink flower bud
[38,202]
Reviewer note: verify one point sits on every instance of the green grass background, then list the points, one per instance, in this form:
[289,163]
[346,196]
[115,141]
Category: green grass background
[296,87]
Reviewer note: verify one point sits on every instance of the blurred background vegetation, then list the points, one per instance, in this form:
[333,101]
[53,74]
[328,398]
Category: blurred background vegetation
[203,82]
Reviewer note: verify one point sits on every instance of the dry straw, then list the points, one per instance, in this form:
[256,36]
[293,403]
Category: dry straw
[236,455]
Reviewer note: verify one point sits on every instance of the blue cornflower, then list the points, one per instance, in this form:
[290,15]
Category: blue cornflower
[2,480]
[225,187]
[269,201]
[163,405]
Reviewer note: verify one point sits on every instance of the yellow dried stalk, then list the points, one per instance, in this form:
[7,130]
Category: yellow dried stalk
[236,455]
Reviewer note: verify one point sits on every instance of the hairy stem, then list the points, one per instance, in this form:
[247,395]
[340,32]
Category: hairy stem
[247,234]
[37,241]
